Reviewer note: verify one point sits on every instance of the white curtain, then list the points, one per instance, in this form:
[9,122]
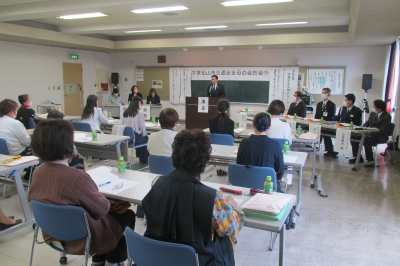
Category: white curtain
[395,105]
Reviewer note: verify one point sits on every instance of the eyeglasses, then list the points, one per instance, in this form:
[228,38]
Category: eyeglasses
[118,186]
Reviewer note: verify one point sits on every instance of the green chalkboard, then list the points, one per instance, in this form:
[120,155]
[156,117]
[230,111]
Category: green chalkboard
[236,91]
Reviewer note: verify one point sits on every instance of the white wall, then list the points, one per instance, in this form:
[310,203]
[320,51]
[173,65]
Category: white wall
[358,60]
[27,68]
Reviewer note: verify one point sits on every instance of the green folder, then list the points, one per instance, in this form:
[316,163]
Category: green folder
[267,215]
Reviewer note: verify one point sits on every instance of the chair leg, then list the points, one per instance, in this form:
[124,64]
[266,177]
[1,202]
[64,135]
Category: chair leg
[130,166]
[87,250]
[33,244]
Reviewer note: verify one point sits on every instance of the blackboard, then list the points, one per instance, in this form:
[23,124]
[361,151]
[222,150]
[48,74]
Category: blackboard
[236,91]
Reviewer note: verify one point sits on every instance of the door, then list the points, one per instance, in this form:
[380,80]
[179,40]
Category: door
[73,90]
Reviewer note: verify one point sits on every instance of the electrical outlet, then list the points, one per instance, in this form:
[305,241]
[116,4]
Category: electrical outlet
[126,79]
[58,88]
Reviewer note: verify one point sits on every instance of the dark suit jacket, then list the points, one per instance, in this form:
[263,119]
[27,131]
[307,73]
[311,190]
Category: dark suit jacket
[23,115]
[219,91]
[154,100]
[300,109]
[131,96]
[329,107]
[227,127]
[345,117]
[383,123]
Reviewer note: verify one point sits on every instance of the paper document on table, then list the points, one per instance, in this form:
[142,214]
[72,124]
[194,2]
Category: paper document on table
[266,203]
[238,130]
[102,175]
[239,202]
[149,124]
[118,186]
[235,151]
[42,115]
[308,135]
[24,159]
[83,139]
[289,158]
[345,124]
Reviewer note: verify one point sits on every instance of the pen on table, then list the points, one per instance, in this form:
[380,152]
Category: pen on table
[9,160]
[102,185]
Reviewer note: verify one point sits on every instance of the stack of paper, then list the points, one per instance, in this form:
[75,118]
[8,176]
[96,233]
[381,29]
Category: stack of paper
[345,124]
[308,135]
[102,176]
[238,130]
[42,115]
[81,137]
[265,206]
[24,159]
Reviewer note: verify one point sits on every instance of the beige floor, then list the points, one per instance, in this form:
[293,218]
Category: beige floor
[358,224]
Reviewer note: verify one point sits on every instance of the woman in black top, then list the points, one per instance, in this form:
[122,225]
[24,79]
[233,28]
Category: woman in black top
[153,97]
[260,150]
[221,123]
[135,92]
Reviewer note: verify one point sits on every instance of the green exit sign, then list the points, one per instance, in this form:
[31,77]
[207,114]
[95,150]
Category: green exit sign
[73,56]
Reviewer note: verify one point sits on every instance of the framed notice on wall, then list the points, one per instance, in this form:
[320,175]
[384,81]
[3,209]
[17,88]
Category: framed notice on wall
[332,78]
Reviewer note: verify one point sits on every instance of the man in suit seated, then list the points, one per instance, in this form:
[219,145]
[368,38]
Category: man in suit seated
[215,89]
[298,107]
[326,109]
[380,119]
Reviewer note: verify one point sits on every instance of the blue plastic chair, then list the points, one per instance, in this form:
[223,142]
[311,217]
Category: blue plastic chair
[128,131]
[80,126]
[221,139]
[4,147]
[281,142]
[149,252]
[250,176]
[160,165]
[31,123]
[65,223]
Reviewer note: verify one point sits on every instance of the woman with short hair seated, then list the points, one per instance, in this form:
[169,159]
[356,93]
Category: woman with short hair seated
[54,182]
[160,143]
[260,150]
[181,209]
[279,129]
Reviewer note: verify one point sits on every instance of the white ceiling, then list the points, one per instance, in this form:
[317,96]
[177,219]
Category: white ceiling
[359,23]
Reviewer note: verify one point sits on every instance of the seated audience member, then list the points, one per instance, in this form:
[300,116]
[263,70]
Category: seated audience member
[54,182]
[181,209]
[135,92]
[153,97]
[298,107]
[380,119]
[134,118]
[260,150]
[7,222]
[279,129]
[115,97]
[25,111]
[160,143]
[92,114]
[76,157]
[326,109]
[12,130]
[221,123]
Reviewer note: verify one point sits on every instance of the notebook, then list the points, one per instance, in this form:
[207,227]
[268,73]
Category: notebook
[272,207]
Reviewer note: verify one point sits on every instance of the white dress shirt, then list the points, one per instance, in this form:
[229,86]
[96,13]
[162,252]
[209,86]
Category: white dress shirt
[14,132]
[96,120]
[280,130]
[160,142]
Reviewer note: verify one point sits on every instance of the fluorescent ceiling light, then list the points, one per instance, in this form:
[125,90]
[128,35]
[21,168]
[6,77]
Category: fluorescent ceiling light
[252,2]
[87,15]
[206,27]
[282,23]
[136,31]
[159,9]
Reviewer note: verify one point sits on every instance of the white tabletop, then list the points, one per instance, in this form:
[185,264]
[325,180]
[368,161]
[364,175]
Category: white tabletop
[102,139]
[226,152]
[149,125]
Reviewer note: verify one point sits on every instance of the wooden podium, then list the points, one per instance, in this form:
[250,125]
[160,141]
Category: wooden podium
[194,119]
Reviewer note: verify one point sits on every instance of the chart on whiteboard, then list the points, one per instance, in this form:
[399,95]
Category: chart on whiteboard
[317,79]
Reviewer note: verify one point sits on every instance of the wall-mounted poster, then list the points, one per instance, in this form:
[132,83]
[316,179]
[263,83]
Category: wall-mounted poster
[156,84]
[139,75]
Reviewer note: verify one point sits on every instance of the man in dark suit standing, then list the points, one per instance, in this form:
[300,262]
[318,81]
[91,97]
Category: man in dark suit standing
[215,89]
[298,107]
[326,109]
[380,119]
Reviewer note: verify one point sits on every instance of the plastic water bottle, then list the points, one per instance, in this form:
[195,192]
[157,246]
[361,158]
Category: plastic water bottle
[153,119]
[286,147]
[121,165]
[298,130]
[112,102]
[351,127]
[322,121]
[235,125]
[129,102]
[94,135]
[109,115]
[247,109]
[269,185]
[150,103]
[295,117]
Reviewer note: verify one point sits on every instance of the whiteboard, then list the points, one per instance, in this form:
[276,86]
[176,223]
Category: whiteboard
[317,79]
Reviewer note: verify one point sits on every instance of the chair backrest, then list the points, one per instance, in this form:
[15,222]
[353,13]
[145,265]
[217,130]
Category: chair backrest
[65,223]
[221,139]
[31,123]
[250,176]
[391,130]
[148,252]
[160,165]
[128,131]
[80,126]
[281,142]
[4,147]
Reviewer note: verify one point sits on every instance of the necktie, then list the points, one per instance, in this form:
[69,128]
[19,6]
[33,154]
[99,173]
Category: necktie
[214,87]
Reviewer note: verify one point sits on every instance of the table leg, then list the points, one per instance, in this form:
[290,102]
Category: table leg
[299,189]
[282,246]
[359,151]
